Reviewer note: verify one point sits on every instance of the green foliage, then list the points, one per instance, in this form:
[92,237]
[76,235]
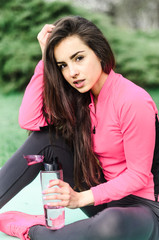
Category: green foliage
[137,56]
[20,21]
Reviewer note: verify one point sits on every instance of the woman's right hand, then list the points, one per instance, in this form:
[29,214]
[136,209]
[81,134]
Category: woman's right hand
[44,35]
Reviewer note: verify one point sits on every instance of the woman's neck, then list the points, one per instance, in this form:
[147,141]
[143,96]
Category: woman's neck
[98,86]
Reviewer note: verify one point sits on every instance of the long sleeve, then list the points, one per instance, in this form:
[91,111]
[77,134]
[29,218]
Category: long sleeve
[129,144]
[30,112]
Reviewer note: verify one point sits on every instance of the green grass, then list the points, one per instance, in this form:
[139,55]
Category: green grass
[12,136]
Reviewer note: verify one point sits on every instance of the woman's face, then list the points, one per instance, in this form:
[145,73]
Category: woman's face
[79,65]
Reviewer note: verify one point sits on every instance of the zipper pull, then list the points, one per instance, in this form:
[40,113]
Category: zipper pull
[94,130]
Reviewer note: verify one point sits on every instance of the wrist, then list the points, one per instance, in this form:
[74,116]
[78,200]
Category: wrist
[86,198]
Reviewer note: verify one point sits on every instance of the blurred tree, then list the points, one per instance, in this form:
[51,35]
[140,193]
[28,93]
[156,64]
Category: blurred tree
[101,6]
[21,20]
[138,14]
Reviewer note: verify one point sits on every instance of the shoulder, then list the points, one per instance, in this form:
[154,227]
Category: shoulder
[127,95]
[125,90]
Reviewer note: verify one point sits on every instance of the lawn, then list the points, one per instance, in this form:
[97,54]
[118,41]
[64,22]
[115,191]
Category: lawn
[12,136]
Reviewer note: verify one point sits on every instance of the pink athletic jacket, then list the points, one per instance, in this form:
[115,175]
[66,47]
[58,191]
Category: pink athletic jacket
[124,139]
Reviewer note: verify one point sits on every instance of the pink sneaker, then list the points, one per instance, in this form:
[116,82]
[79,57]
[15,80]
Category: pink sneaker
[17,224]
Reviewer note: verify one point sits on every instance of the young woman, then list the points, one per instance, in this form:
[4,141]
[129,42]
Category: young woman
[102,127]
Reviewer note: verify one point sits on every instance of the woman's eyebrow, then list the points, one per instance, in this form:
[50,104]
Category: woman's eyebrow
[72,56]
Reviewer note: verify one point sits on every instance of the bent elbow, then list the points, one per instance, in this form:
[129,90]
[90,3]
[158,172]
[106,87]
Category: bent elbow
[144,180]
[27,125]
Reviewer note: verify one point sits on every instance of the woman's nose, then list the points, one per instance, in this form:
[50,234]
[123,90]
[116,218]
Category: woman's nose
[73,71]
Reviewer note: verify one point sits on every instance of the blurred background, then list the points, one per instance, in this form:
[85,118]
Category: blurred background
[131,27]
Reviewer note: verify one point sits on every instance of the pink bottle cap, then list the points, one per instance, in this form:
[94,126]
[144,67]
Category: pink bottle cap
[33,159]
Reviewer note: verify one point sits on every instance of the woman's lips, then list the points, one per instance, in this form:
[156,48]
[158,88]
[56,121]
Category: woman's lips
[79,83]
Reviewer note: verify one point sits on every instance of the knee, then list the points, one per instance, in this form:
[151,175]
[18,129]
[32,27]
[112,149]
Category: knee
[109,224]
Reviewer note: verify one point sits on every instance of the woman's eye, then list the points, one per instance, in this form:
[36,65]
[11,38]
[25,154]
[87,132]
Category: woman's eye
[79,58]
[62,66]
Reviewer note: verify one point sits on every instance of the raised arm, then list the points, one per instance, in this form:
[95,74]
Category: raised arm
[30,113]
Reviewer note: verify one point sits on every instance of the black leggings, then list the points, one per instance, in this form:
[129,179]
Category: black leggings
[128,218]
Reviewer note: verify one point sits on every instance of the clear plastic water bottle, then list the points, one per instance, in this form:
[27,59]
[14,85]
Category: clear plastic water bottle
[54,216]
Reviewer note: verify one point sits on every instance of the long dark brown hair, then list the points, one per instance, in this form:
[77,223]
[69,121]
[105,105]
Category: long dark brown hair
[64,106]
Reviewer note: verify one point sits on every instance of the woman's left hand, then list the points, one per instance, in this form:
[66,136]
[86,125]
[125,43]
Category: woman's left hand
[62,191]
